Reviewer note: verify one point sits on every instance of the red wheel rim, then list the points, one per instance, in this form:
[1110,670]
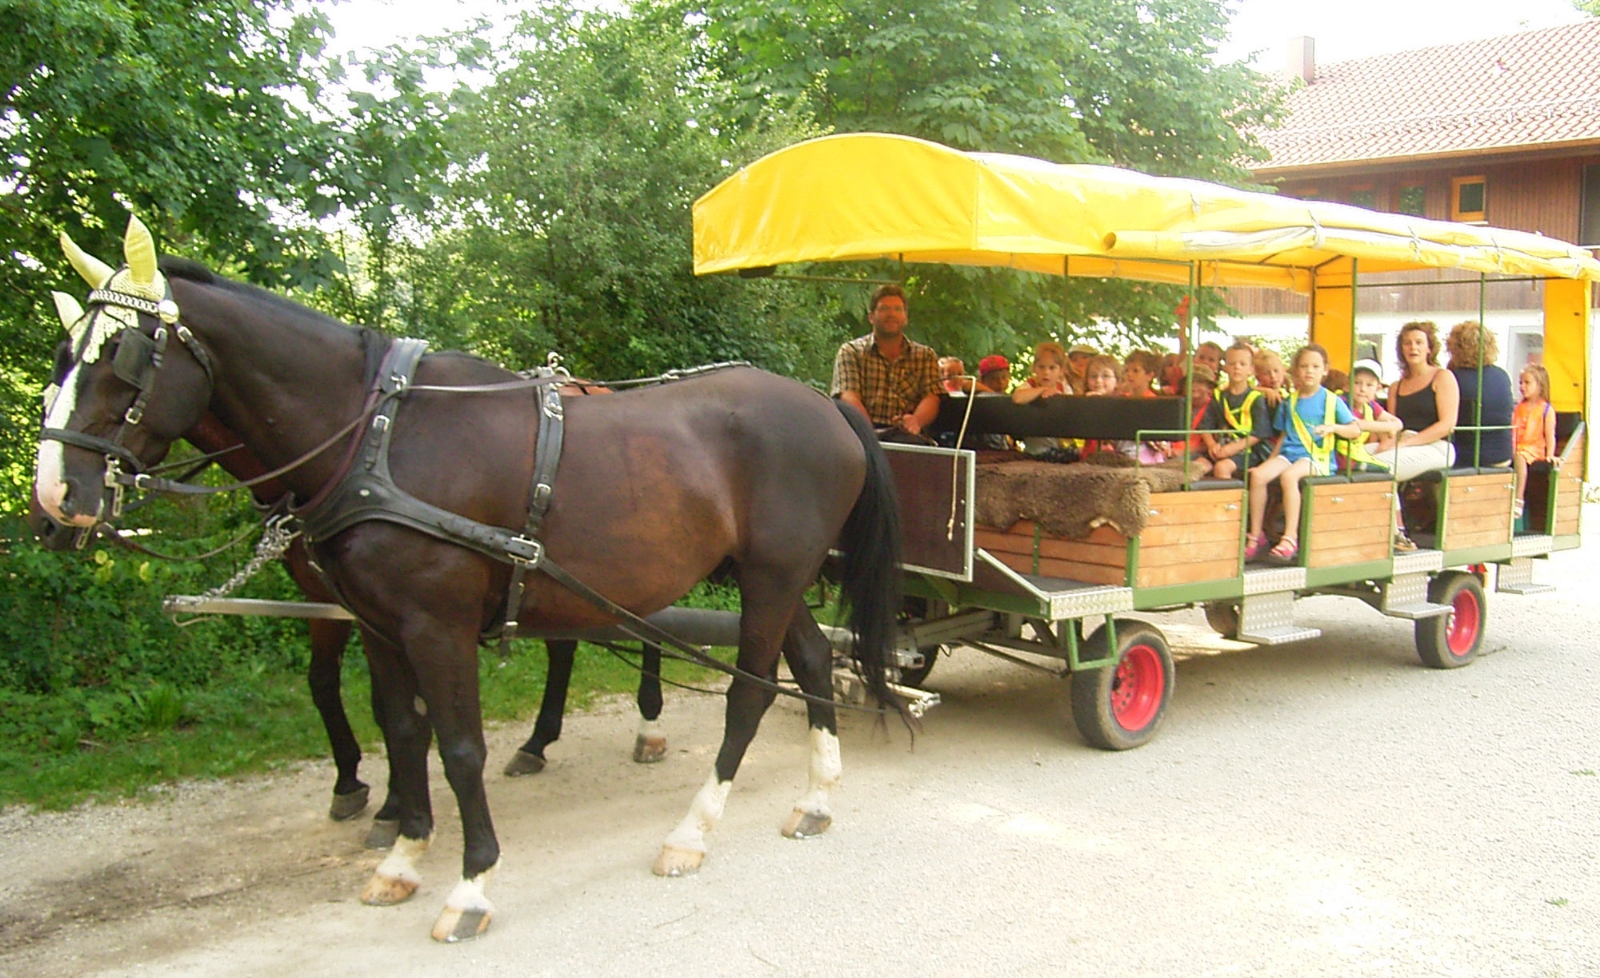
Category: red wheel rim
[1137,689]
[1461,631]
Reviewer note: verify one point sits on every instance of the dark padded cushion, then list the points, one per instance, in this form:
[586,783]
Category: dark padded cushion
[1566,423]
[1064,417]
[1439,475]
[1201,484]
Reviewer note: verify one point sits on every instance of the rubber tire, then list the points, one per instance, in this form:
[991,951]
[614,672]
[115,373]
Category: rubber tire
[916,677]
[1434,635]
[1092,689]
[1223,617]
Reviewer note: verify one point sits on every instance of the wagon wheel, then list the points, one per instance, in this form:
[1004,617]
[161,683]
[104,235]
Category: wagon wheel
[1120,705]
[1223,617]
[1452,640]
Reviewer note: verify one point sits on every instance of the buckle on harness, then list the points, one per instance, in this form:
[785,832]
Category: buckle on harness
[525,552]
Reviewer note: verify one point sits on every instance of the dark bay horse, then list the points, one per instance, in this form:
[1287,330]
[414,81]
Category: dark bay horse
[736,470]
[329,638]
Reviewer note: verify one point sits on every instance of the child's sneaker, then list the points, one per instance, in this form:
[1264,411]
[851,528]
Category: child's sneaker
[1403,544]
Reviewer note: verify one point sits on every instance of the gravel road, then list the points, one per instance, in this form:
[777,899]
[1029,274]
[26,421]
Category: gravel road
[1326,808]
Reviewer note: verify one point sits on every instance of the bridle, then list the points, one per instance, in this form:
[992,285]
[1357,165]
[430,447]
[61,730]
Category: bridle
[138,363]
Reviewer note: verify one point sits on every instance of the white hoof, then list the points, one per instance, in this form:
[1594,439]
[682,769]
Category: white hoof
[806,825]
[677,862]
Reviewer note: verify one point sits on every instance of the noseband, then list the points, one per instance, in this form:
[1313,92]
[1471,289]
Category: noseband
[137,362]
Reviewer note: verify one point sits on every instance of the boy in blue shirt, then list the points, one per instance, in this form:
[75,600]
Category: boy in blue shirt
[1307,421]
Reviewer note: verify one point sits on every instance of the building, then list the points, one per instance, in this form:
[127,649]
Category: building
[1502,131]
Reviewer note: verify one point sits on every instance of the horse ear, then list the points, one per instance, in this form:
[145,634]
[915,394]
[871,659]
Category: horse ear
[94,271]
[139,248]
[68,309]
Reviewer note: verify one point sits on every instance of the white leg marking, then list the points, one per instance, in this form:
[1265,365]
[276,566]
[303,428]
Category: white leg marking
[650,728]
[48,476]
[704,813]
[825,772]
[401,862]
[468,894]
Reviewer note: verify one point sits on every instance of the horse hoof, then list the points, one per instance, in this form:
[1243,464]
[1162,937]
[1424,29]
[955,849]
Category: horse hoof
[460,925]
[648,750]
[382,834]
[348,806]
[805,825]
[677,862]
[522,763]
[386,891]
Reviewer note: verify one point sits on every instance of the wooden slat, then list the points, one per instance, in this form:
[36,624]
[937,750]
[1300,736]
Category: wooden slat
[1187,533]
[1334,539]
[1322,522]
[1483,538]
[1479,506]
[1188,554]
[1089,553]
[1002,542]
[1185,508]
[1477,524]
[1356,554]
[1211,570]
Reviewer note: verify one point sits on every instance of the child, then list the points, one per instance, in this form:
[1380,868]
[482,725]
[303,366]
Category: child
[1210,354]
[994,374]
[952,375]
[1174,369]
[1241,410]
[1139,369]
[1049,379]
[1138,372]
[1049,375]
[1100,378]
[1363,454]
[1203,405]
[1307,419]
[1533,424]
[1270,375]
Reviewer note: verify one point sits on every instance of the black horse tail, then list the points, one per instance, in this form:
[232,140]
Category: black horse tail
[870,541]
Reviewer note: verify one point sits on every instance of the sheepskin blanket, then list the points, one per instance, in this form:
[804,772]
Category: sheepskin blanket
[1068,501]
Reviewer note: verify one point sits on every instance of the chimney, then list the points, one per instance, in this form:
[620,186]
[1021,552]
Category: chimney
[1302,62]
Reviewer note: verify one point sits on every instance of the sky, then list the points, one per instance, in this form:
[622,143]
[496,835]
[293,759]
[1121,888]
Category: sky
[1343,30]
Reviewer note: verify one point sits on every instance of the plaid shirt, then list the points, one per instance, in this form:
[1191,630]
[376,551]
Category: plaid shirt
[889,390]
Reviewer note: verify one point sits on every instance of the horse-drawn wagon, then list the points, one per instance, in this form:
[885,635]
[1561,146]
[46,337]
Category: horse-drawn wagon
[1047,562]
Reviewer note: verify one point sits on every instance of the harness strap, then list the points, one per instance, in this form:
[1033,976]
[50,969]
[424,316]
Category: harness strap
[546,459]
[1319,451]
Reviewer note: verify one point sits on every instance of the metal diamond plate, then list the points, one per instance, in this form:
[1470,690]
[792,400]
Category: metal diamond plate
[1267,580]
[1259,612]
[1517,578]
[1419,562]
[1404,589]
[1089,601]
[1534,545]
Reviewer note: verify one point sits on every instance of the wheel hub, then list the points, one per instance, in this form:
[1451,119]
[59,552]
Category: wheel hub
[1137,690]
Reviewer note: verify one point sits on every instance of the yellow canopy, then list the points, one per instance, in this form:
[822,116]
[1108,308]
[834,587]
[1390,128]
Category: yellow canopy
[869,195]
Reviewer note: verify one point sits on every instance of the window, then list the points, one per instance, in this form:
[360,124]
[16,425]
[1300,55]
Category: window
[1589,216]
[1469,199]
[1412,200]
[1364,197]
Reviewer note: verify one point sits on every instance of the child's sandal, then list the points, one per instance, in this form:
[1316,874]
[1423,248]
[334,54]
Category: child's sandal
[1286,549]
[1254,544]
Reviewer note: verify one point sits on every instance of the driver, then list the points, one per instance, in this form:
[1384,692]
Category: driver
[894,381]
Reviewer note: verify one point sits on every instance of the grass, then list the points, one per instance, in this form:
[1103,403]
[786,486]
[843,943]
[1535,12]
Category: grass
[262,720]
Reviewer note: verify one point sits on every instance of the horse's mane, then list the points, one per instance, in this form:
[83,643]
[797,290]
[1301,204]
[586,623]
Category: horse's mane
[193,271]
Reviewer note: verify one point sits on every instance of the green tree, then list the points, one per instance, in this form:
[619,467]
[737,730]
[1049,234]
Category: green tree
[1590,7]
[1128,82]
[569,223]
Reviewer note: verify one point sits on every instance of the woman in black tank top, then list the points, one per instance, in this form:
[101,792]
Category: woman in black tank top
[1426,399]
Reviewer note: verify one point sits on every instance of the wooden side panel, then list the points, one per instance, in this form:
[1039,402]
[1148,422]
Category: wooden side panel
[1569,492]
[1349,523]
[923,482]
[1478,511]
[1191,537]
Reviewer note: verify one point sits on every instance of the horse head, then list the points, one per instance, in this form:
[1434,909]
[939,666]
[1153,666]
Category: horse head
[118,397]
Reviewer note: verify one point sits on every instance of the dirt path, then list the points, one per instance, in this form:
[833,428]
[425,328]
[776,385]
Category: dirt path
[1329,808]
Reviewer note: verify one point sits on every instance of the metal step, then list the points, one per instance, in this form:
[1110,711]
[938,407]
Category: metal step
[1516,577]
[1279,635]
[1421,609]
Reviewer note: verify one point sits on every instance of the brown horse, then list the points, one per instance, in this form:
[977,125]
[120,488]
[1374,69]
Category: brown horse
[329,638]
[660,486]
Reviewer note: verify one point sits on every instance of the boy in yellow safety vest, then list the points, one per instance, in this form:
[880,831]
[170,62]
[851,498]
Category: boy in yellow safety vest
[1308,420]
[1243,411]
[1365,453]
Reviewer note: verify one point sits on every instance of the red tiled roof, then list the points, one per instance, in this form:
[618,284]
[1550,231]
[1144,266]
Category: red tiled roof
[1526,89]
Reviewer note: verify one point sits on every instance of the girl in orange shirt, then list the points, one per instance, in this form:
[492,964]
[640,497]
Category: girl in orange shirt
[1533,425]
